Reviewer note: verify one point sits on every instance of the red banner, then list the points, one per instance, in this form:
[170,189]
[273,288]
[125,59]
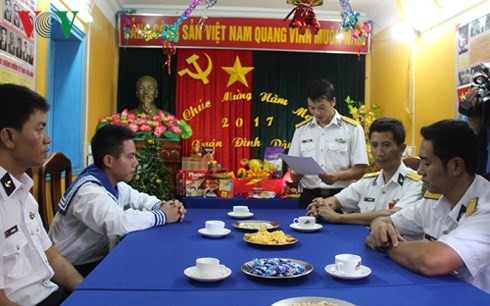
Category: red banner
[214,93]
[242,33]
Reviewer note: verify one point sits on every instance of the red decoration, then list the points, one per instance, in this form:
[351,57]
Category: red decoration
[304,17]
[169,49]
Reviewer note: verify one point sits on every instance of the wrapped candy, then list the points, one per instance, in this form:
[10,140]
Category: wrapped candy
[278,267]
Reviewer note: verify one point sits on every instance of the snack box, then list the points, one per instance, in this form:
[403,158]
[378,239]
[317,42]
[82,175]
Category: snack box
[191,182]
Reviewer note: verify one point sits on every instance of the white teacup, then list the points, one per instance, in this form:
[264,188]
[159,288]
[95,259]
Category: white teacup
[305,221]
[215,226]
[207,266]
[240,210]
[347,264]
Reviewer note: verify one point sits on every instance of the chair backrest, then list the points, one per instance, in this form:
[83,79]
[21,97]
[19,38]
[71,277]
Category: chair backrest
[412,162]
[51,172]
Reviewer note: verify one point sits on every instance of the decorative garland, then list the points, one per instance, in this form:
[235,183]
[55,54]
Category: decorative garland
[350,22]
[169,35]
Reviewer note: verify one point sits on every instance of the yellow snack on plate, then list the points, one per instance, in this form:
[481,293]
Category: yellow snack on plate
[265,237]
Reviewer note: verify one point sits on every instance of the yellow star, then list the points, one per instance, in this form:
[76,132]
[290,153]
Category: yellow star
[237,73]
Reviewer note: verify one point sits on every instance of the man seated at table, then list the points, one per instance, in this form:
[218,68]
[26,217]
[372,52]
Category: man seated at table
[100,207]
[455,224]
[32,272]
[377,194]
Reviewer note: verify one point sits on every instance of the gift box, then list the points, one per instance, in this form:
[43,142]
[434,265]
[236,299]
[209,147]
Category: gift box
[225,189]
[249,186]
[211,186]
[194,163]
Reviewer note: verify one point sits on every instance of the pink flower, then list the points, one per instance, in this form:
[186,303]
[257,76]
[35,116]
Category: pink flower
[133,127]
[159,130]
[175,129]
[116,118]
[145,128]
[157,124]
[156,118]
[171,117]
[132,117]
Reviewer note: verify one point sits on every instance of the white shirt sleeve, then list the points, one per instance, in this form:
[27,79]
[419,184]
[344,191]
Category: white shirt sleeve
[409,220]
[350,196]
[294,149]
[358,151]
[471,240]
[98,211]
[132,198]
[411,195]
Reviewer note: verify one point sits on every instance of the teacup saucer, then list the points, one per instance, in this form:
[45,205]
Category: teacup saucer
[223,273]
[245,216]
[205,232]
[363,272]
[297,227]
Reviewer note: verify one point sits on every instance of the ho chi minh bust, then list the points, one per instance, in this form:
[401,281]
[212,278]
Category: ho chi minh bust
[146,92]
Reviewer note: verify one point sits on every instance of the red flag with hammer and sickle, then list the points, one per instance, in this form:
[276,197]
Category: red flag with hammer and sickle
[214,95]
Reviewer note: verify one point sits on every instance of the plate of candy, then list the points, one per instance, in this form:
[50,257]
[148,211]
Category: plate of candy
[276,268]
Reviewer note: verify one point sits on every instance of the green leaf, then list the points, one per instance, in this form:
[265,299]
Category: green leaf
[102,124]
[186,129]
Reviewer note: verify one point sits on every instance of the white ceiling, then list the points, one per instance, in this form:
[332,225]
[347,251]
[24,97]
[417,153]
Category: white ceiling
[421,14]
[383,13]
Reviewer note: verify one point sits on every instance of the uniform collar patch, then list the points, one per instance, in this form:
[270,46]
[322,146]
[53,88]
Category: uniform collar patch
[8,184]
[401,179]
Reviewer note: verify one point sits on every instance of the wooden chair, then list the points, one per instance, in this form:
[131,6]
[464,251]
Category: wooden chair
[51,172]
[412,162]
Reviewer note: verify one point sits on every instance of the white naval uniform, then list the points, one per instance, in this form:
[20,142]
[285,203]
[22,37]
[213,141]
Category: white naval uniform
[466,232]
[335,147]
[25,273]
[371,193]
[94,222]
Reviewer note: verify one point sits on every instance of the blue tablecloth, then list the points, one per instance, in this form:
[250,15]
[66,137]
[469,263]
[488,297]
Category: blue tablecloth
[275,203]
[150,264]
[433,295]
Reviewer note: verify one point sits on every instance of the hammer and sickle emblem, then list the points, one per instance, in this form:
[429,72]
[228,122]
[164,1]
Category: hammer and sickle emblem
[199,74]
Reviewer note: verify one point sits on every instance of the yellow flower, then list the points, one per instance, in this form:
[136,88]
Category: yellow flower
[365,116]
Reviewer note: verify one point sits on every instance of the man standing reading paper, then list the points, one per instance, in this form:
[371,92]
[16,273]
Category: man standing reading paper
[335,142]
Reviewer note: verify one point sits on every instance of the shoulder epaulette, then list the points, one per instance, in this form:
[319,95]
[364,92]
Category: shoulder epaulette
[350,120]
[303,122]
[433,196]
[414,176]
[369,175]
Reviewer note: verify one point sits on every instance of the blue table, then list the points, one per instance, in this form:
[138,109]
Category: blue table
[148,266]
[275,203]
[447,294]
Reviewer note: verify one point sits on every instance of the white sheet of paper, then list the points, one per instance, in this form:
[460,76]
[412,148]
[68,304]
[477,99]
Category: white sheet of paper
[302,165]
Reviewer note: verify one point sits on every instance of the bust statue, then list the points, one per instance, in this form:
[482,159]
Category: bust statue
[146,92]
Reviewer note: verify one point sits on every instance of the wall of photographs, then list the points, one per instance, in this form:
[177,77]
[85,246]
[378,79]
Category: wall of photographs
[473,45]
[17,51]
